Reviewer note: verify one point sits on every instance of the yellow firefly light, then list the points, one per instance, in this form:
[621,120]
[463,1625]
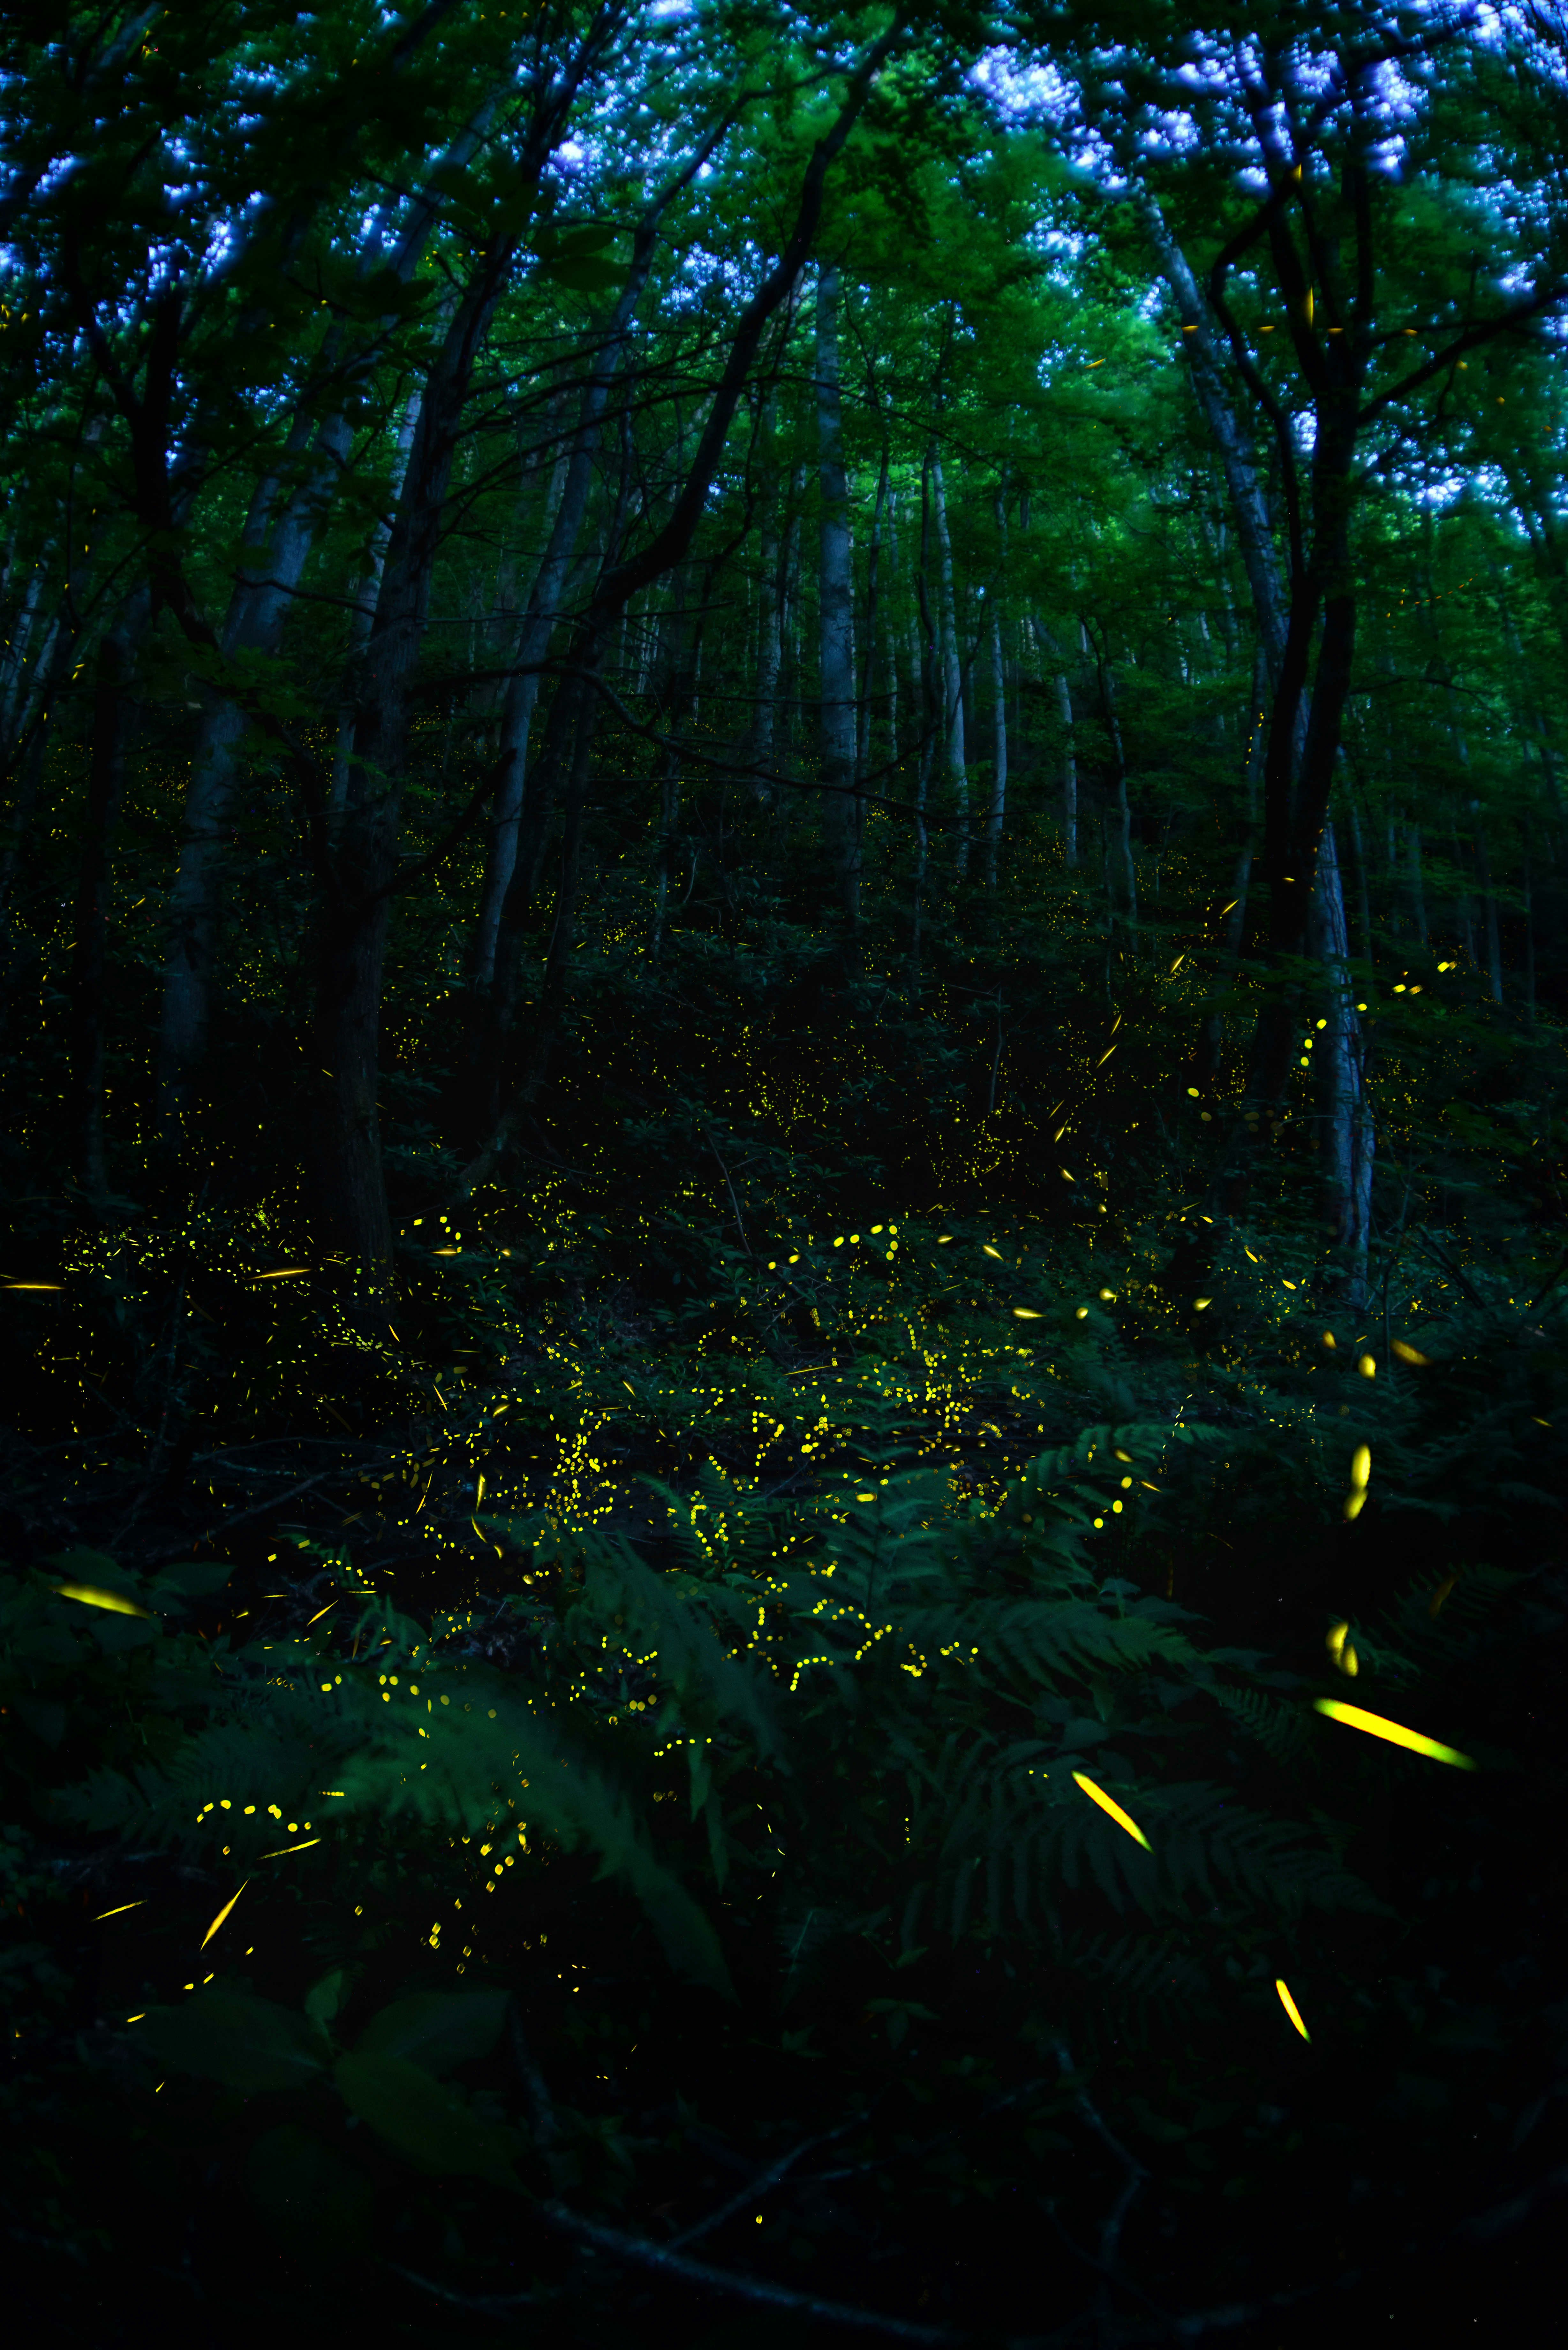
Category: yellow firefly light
[1394,1731]
[1408,1354]
[1291,2010]
[91,1596]
[221,1916]
[989,1250]
[1367,1366]
[1329,1340]
[1098,1795]
[1024,1314]
[1343,1652]
[1354,1504]
[1361,1465]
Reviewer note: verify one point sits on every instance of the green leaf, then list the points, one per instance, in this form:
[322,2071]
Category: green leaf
[228,2035]
[193,1579]
[323,1999]
[428,2124]
[437,2030]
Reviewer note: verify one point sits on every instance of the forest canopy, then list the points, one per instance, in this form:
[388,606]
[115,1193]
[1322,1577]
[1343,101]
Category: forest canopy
[783,933]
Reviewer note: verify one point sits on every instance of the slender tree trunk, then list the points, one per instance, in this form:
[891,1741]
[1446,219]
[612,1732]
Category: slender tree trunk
[13,671]
[1489,906]
[1069,772]
[929,673]
[998,809]
[364,596]
[1344,1116]
[1363,902]
[952,672]
[105,792]
[770,600]
[258,606]
[1120,871]
[55,668]
[999,748]
[872,630]
[835,607]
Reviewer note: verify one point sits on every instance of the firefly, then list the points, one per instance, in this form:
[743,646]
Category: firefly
[91,1596]
[220,1918]
[1291,2010]
[1394,1731]
[1098,1795]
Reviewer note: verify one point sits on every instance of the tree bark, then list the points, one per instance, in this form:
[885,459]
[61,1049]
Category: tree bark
[105,792]
[258,606]
[836,618]
[951,671]
[1344,1116]
[998,809]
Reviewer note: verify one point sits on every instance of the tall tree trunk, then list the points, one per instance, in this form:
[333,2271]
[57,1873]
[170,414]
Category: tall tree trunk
[1363,901]
[997,812]
[770,604]
[276,545]
[105,796]
[872,630]
[1069,772]
[1121,874]
[15,685]
[1489,906]
[999,748]
[258,607]
[836,609]
[1343,1115]
[366,593]
[951,671]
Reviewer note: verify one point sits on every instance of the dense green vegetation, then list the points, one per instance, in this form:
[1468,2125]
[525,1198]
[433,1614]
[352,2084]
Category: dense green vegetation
[782,926]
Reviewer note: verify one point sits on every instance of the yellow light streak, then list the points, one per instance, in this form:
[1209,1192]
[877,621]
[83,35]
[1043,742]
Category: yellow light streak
[91,1596]
[1361,1465]
[1025,1314]
[1394,1731]
[1408,1354]
[120,1911]
[281,1851]
[1291,2010]
[283,1272]
[220,1918]
[321,1612]
[34,1284]
[1098,1795]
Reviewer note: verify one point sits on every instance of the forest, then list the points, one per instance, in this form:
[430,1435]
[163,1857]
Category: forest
[784,936]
